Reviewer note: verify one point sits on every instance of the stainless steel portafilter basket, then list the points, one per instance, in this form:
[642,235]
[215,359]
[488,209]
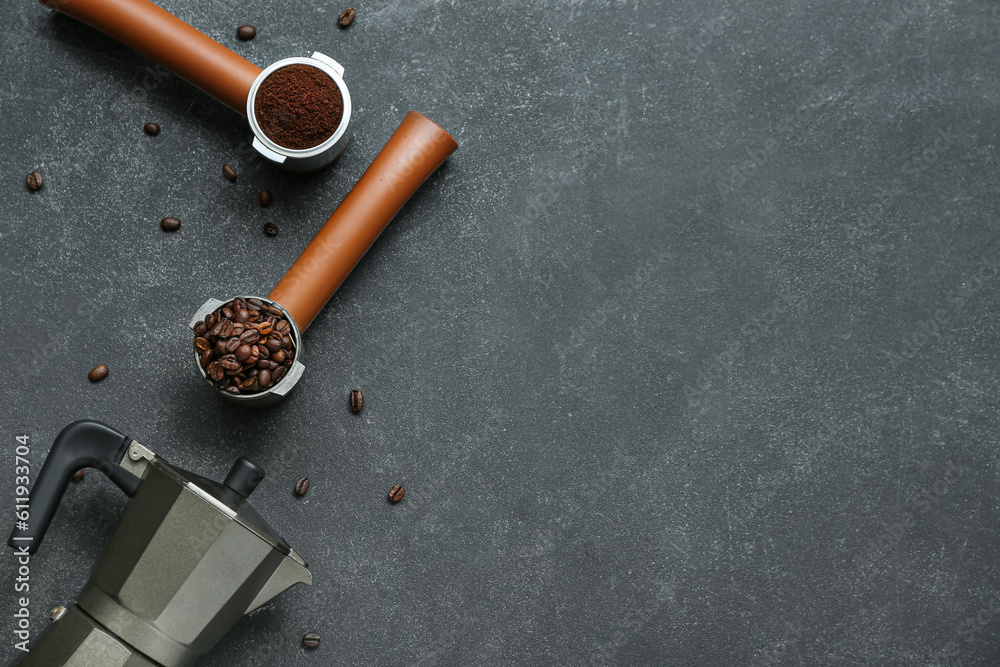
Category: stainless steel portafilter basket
[275,392]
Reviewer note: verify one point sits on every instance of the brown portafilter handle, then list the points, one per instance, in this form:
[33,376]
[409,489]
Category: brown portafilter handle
[160,35]
[413,152]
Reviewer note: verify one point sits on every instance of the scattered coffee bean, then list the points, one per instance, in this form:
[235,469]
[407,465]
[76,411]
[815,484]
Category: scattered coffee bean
[228,172]
[245,346]
[98,373]
[57,613]
[346,17]
[271,229]
[264,198]
[34,180]
[396,493]
[77,476]
[170,224]
[152,129]
[357,400]
[310,640]
[302,486]
[246,32]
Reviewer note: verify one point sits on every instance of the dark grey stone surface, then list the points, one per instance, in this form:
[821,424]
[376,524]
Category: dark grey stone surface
[687,356]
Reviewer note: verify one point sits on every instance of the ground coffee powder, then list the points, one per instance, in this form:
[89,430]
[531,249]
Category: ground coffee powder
[298,106]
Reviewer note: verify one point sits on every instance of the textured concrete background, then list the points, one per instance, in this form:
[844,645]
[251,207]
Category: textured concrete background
[687,356]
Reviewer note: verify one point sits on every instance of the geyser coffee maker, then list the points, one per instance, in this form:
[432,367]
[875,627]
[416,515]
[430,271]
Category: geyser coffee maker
[189,558]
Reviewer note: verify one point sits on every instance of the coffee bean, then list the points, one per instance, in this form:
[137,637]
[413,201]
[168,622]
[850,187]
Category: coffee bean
[273,343]
[242,352]
[283,327]
[250,384]
[206,358]
[152,129]
[228,172]
[264,377]
[264,198]
[77,476]
[346,17]
[215,371]
[396,493]
[211,319]
[202,344]
[270,229]
[278,373]
[232,344]
[98,373]
[170,224]
[230,362]
[310,640]
[265,327]
[233,389]
[273,311]
[357,400]
[199,328]
[246,32]
[302,486]
[34,180]
[227,312]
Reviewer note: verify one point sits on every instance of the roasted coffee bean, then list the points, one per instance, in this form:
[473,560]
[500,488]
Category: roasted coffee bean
[265,327]
[220,347]
[242,315]
[215,371]
[233,389]
[226,328]
[346,17]
[227,312]
[98,373]
[199,328]
[264,198]
[263,363]
[274,311]
[232,344]
[356,400]
[264,377]
[229,173]
[302,486]
[230,362]
[35,180]
[286,341]
[152,129]
[283,327]
[202,344]
[243,352]
[279,356]
[250,336]
[211,319]
[238,328]
[262,351]
[206,357]
[310,640]
[170,224]
[250,384]
[270,229]
[278,373]
[396,493]
[254,304]
[246,32]
[273,343]
[239,303]
[77,476]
